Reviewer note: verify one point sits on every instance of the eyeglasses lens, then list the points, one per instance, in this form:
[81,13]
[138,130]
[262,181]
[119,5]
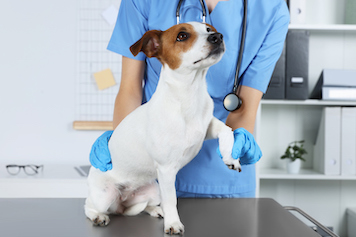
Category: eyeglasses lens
[13,169]
[30,169]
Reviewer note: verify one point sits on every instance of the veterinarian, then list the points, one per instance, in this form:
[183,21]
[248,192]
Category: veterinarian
[267,25]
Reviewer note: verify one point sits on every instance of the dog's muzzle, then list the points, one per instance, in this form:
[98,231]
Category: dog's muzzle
[217,43]
[215,39]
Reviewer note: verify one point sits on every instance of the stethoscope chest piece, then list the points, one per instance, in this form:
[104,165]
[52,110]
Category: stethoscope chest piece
[232,102]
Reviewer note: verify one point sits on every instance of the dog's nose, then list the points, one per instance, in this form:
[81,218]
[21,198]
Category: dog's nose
[215,38]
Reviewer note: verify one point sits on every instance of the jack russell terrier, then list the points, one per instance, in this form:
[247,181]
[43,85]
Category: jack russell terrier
[160,137]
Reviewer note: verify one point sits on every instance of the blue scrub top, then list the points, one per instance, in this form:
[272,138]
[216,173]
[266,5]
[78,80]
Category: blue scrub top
[267,26]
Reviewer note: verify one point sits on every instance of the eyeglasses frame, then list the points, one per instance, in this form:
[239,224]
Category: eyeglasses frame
[23,167]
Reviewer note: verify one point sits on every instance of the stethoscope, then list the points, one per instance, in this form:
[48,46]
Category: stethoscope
[231,101]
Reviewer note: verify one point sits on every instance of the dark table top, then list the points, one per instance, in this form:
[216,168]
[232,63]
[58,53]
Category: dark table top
[249,217]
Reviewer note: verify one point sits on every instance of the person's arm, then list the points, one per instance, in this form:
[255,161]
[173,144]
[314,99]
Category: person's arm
[245,117]
[259,72]
[129,96]
[242,122]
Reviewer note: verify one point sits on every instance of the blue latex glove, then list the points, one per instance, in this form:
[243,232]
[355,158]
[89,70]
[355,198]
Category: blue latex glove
[100,156]
[245,147]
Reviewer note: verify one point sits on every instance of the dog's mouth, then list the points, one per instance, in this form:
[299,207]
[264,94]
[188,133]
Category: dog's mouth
[216,51]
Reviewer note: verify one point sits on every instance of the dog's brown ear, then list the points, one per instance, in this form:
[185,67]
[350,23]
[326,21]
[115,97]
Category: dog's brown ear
[149,44]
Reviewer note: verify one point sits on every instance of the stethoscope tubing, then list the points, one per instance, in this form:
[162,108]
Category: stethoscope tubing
[202,6]
[242,46]
[231,101]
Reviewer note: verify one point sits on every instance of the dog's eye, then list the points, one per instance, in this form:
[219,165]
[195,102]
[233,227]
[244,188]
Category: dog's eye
[182,36]
[208,29]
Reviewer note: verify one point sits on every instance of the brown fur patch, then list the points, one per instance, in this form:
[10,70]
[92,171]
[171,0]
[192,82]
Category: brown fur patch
[171,49]
[212,27]
[164,44]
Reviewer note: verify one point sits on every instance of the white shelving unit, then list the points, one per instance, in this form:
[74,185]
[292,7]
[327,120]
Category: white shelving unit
[309,102]
[271,171]
[305,174]
[280,122]
[289,120]
[335,27]
[325,197]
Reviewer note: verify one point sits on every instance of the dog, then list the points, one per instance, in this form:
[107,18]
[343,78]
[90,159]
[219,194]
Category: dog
[160,137]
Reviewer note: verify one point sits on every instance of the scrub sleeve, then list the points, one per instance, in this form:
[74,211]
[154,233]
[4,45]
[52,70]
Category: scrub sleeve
[267,24]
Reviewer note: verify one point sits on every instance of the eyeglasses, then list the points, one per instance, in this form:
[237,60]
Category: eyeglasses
[29,169]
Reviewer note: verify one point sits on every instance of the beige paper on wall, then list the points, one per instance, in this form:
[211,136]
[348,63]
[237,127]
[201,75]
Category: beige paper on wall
[104,79]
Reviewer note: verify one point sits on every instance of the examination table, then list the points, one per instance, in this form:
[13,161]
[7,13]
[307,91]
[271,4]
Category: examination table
[248,217]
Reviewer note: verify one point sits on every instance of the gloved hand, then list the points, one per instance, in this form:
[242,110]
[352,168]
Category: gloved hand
[245,147]
[100,156]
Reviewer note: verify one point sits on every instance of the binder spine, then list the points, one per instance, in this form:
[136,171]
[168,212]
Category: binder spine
[327,158]
[348,141]
[297,63]
[276,88]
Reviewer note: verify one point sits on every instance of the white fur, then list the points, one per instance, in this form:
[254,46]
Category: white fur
[156,140]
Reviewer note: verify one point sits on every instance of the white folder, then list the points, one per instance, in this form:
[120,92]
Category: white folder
[348,141]
[327,157]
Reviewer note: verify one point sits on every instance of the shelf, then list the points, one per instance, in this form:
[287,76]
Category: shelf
[308,102]
[336,27]
[93,125]
[305,174]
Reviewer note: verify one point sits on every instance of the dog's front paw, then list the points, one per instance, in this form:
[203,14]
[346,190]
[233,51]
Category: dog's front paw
[101,220]
[175,228]
[233,164]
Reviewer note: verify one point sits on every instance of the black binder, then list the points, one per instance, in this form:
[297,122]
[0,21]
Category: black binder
[297,61]
[276,87]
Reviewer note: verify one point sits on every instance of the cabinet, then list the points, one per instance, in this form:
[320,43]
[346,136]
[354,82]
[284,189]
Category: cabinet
[279,122]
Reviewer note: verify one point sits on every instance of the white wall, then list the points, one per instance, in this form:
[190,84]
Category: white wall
[37,91]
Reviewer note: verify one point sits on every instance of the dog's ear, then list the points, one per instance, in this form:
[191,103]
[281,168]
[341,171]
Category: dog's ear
[149,44]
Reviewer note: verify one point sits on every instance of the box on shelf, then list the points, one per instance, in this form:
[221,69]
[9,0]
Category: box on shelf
[335,84]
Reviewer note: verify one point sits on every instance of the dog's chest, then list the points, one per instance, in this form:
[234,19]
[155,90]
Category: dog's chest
[179,119]
[194,137]
[179,132]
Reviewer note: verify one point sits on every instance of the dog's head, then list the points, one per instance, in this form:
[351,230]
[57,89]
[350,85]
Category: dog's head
[189,45]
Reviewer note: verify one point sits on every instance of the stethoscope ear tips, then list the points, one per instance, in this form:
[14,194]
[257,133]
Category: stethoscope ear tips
[232,102]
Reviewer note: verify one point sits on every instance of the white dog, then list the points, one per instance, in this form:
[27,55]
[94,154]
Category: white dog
[160,137]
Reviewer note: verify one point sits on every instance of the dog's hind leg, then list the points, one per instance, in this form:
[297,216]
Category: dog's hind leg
[97,217]
[98,203]
[155,211]
[153,207]
[146,198]
[135,209]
